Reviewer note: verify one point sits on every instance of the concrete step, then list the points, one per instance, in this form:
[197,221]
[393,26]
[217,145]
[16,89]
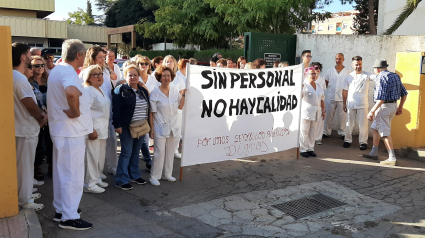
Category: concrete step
[413,153]
[23,225]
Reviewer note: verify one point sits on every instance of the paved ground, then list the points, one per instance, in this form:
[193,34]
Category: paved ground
[235,198]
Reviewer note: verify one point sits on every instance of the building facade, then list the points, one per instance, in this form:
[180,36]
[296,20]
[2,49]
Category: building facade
[389,10]
[28,24]
[339,24]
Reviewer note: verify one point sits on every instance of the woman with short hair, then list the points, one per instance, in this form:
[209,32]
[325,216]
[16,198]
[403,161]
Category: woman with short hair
[100,107]
[165,129]
[130,108]
[222,63]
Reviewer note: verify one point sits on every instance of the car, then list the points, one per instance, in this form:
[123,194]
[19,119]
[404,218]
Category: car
[120,62]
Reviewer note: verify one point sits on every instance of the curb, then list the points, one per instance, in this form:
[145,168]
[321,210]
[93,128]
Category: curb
[34,227]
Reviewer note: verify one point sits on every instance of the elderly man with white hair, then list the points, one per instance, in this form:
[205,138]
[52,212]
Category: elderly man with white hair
[70,122]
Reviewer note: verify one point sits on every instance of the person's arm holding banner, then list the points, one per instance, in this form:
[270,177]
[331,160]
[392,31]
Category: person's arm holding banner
[183,96]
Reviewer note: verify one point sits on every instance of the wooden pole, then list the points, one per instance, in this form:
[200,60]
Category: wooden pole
[298,153]
[181,173]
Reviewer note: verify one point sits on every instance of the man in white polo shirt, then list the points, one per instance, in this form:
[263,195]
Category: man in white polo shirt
[70,122]
[355,99]
[334,78]
[28,120]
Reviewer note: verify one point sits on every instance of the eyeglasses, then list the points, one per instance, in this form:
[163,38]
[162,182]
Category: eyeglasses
[313,74]
[317,68]
[97,75]
[48,57]
[38,66]
[133,76]
[144,64]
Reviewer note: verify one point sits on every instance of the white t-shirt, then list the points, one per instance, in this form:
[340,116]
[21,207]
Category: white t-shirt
[358,88]
[62,76]
[311,104]
[151,83]
[100,107]
[335,80]
[25,125]
[165,112]
[48,70]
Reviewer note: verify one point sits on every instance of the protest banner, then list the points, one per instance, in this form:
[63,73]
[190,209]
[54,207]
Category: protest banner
[236,113]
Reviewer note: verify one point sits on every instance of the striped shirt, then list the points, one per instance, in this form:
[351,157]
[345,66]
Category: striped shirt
[141,109]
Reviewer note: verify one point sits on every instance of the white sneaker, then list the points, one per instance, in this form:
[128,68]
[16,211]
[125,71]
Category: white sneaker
[390,161]
[154,182]
[35,196]
[102,176]
[94,189]
[38,183]
[318,142]
[34,206]
[177,155]
[102,184]
[169,178]
[34,190]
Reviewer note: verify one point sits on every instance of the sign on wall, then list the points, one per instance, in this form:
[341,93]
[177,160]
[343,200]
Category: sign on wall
[236,113]
[270,58]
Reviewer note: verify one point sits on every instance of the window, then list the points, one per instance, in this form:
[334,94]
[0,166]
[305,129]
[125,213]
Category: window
[320,28]
[345,26]
[330,27]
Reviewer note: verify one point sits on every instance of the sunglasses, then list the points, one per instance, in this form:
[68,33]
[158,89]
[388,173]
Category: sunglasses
[97,75]
[48,57]
[317,68]
[144,64]
[38,66]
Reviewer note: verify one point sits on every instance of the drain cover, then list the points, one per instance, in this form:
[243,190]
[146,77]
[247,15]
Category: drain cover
[308,206]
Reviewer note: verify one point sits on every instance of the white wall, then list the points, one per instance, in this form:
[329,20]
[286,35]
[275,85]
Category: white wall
[325,47]
[171,46]
[389,11]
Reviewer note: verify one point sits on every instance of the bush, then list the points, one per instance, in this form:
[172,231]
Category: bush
[186,54]
[205,55]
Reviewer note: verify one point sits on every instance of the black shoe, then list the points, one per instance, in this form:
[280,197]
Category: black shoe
[374,157]
[304,154]
[138,181]
[125,187]
[363,146]
[76,224]
[58,216]
[346,145]
[311,153]
[325,136]
[148,167]
[342,137]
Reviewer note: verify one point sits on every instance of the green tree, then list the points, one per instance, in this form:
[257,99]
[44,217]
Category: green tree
[411,5]
[104,5]
[361,20]
[89,10]
[79,17]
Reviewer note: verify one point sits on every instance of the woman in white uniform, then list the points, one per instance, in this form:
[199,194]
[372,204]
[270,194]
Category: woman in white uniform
[165,129]
[100,107]
[312,108]
[321,82]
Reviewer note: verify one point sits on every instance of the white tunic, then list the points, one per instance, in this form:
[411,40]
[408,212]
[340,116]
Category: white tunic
[358,88]
[151,83]
[100,107]
[335,80]
[25,124]
[165,112]
[106,86]
[179,81]
[61,77]
[311,105]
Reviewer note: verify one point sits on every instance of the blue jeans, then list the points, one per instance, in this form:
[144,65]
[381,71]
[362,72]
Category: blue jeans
[145,150]
[128,163]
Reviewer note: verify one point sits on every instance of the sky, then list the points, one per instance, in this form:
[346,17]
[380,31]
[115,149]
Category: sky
[62,7]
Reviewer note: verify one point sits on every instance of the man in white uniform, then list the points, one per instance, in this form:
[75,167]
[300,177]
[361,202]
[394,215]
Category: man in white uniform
[355,102]
[28,119]
[334,79]
[70,123]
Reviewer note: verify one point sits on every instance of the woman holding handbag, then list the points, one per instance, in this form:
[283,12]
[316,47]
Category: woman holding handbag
[131,108]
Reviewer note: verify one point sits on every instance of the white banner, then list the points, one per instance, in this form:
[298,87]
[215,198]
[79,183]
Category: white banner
[235,113]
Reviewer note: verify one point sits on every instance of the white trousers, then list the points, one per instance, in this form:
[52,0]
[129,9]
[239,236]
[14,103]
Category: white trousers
[319,130]
[111,157]
[95,161]
[68,175]
[163,158]
[308,135]
[361,115]
[330,112]
[25,156]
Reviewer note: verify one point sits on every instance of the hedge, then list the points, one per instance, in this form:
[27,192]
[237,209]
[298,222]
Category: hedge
[205,55]
[186,54]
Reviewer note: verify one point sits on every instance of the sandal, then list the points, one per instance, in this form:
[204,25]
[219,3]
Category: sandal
[34,206]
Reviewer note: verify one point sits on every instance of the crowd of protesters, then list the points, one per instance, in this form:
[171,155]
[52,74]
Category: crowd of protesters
[71,114]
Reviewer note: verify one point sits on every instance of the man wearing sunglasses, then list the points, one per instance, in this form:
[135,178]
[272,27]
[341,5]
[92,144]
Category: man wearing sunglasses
[49,58]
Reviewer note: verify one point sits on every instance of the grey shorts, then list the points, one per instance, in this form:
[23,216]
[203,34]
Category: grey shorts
[383,118]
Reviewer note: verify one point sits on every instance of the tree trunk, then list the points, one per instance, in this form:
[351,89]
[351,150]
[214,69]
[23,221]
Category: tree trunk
[371,10]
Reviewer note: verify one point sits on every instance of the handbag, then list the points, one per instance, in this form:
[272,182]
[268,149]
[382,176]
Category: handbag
[139,128]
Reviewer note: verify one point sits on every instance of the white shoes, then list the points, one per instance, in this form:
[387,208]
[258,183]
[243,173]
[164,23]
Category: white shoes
[154,182]
[169,178]
[38,183]
[35,196]
[102,184]
[390,161]
[94,189]
[177,155]
[102,176]
[34,206]
[34,190]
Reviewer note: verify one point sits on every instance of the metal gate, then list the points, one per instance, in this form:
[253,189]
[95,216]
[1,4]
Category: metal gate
[270,47]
